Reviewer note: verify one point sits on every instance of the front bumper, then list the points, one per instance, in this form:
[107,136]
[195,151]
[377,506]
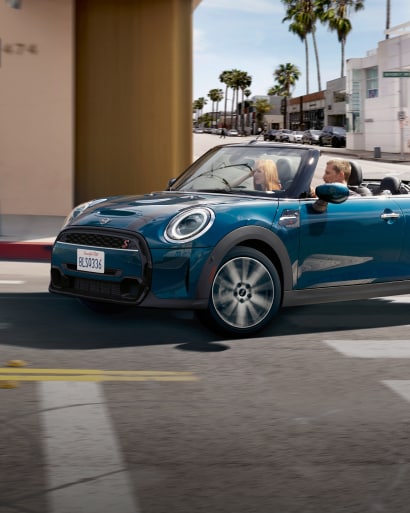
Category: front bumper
[127,272]
[132,275]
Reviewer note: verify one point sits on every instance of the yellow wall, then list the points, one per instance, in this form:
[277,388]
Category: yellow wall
[134,96]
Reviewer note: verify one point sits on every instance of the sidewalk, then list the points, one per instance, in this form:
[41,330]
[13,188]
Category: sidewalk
[30,238]
[394,158]
[32,251]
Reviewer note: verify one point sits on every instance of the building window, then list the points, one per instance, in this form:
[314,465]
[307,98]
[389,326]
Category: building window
[339,96]
[353,118]
[372,82]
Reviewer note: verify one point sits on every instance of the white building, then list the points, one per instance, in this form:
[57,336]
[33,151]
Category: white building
[378,95]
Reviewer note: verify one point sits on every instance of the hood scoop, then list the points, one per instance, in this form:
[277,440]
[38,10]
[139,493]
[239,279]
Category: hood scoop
[116,212]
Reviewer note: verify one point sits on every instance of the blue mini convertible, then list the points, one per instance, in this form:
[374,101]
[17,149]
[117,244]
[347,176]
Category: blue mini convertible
[236,237]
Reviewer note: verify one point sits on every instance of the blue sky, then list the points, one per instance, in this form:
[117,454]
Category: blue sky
[249,35]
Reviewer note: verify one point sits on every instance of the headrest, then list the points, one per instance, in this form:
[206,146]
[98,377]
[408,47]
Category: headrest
[284,168]
[356,175]
[390,183]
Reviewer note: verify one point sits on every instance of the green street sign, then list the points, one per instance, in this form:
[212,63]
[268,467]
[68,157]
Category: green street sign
[396,74]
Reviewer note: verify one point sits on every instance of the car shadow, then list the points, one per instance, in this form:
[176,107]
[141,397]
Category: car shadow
[44,321]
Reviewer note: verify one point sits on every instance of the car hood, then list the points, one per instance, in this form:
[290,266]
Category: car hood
[134,212]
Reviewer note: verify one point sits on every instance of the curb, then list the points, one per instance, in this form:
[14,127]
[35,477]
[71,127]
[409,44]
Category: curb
[28,251]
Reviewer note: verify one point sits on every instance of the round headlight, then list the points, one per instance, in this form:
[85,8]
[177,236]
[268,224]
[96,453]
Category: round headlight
[189,225]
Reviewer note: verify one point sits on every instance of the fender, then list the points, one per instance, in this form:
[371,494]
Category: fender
[235,238]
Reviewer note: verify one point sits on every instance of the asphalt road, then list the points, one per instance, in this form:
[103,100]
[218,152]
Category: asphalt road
[149,412]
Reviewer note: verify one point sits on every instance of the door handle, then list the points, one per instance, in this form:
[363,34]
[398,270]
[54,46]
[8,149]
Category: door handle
[390,215]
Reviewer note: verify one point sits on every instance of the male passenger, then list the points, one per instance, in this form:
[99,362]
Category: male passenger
[336,171]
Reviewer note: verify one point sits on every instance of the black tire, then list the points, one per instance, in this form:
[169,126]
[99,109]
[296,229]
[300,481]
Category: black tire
[320,141]
[335,142]
[103,308]
[246,294]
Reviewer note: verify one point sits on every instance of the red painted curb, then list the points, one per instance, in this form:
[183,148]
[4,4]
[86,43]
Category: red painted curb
[32,251]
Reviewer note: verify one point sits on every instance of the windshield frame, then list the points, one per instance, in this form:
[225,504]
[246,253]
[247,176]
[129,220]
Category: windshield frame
[226,169]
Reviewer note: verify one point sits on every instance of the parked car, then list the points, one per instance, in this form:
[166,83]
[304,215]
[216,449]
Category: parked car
[269,135]
[282,135]
[233,132]
[295,136]
[311,136]
[214,243]
[333,136]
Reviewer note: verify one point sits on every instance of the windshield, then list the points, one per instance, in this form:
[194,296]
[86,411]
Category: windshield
[250,169]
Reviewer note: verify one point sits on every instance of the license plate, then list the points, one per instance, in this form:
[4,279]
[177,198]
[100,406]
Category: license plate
[90,260]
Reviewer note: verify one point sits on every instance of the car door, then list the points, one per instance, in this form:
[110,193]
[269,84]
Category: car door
[358,241]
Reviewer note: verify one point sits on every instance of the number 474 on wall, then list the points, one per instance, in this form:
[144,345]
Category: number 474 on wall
[18,49]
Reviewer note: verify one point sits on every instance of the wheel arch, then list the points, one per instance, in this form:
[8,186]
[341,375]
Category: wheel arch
[255,237]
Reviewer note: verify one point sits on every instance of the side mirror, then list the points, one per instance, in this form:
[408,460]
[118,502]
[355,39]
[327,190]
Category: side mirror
[171,183]
[332,192]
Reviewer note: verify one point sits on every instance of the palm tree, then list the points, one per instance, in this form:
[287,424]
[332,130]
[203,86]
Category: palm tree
[302,14]
[216,95]
[246,120]
[276,90]
[299,29]
[195,109]
[335,13]
[262,106]
[286,75]
[225,78]
[240,80]
[235,80]
[198,106]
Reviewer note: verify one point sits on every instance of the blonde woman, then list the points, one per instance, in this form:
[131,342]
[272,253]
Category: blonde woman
[265,176]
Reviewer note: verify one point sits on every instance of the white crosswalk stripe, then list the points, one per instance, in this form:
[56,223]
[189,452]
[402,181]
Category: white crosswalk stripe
[372,348]
[377,349]
[400,386]
[397,299]
[86,471]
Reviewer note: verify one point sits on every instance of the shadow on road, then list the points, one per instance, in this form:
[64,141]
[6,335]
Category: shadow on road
[45,322]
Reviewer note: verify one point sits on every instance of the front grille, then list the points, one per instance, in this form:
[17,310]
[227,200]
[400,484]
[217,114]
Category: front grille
[101,240]
[97,288]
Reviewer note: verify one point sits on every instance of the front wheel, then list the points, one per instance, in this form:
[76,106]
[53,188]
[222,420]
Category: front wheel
[335,143]
[246,294]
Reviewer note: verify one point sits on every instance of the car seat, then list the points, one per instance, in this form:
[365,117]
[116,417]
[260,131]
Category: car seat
[390,184]
[285,173]
[356,179]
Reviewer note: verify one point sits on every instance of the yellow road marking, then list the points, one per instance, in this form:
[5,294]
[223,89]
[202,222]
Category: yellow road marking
[27,374]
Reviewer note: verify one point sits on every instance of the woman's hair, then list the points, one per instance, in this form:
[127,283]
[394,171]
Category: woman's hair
[271,175]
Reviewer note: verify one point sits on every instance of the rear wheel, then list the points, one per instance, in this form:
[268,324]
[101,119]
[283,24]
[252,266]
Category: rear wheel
[245,295]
